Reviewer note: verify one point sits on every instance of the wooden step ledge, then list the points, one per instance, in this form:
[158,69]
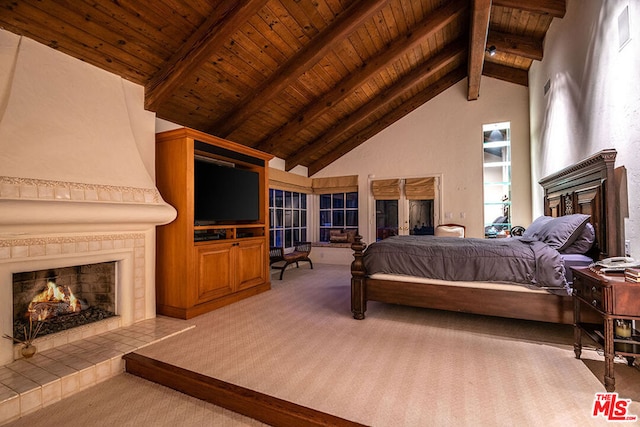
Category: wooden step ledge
[253,404]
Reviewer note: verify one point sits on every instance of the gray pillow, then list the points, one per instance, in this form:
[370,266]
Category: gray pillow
[535,227]
[583,242]
[500,220]
[561,232]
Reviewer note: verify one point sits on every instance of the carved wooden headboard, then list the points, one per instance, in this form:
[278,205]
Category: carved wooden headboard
[588,187]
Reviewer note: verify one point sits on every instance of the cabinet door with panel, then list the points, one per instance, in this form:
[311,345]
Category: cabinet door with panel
[250,269]
[214,276]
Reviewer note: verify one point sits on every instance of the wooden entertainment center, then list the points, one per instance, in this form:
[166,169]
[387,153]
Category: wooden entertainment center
[214,263]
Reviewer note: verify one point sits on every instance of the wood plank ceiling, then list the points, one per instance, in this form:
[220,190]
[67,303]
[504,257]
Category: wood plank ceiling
[306,80]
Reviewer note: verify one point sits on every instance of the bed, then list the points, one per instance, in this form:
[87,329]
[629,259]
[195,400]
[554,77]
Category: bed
[586,188]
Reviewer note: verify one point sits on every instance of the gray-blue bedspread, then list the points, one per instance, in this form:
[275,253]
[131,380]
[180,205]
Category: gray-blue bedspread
[523,261]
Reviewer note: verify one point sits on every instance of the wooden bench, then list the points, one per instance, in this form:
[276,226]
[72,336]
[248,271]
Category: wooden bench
[279,260]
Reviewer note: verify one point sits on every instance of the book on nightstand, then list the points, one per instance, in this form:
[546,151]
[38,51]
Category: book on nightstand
[632,275]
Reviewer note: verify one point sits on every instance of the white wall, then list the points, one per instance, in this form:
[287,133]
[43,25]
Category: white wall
[444,137]
[63,119]
[594,98]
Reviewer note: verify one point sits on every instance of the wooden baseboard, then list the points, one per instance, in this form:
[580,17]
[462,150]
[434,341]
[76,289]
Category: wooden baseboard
[253,404]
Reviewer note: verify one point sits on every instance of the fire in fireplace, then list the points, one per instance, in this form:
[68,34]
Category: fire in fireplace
[63,298]
[54,301]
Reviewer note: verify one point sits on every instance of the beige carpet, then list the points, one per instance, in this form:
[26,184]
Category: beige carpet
[399,367]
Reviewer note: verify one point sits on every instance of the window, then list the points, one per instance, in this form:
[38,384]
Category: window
[288,215]
[338,210]
[386,219]
[405,206]
[497,179]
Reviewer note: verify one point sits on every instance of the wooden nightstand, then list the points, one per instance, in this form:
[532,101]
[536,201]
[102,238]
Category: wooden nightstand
[611,297]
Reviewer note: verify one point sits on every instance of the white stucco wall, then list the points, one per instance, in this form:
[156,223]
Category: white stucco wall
[444,137]
[62,119]
[594,97]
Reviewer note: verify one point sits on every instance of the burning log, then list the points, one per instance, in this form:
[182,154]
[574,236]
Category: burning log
[46,309]
[54,301]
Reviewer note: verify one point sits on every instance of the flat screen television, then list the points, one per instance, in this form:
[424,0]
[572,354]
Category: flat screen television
[225,194]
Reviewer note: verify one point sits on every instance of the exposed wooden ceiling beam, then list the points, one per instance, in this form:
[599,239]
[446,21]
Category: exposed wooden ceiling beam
[555,8]
[213,33]
[509,74]
[302,61]
[435,21]
[516,45]
[451,53]
[416,101]
[480,14]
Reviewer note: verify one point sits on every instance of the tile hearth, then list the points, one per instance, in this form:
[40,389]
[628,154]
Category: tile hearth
[27,385]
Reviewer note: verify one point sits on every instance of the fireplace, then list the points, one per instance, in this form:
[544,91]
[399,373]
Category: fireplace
[77,185]
[126,255]
[63,298]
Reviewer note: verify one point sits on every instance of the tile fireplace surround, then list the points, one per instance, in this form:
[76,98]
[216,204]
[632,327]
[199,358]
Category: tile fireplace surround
[75,230]
[77,187]
[89,224]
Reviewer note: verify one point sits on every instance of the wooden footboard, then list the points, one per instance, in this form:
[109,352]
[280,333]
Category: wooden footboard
[543,307]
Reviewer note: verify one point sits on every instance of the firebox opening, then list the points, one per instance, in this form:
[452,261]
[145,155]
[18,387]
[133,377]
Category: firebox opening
[63,298]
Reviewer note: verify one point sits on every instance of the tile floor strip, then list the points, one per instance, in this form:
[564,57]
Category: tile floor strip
[27,385]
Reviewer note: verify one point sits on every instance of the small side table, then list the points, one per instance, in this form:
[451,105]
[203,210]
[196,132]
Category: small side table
[611,298]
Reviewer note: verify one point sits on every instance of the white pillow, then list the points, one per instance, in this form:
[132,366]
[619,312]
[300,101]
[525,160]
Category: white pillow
[449,231]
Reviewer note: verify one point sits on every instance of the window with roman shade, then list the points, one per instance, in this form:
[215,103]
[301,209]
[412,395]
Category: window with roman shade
[386,189]
[335,184]
[288,208]
[420,188]
[338,198]
[404,206]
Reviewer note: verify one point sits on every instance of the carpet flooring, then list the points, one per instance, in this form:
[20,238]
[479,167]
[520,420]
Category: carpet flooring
[400,366]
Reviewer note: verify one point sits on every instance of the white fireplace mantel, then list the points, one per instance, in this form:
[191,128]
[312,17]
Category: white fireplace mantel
[77,167]
[32,217]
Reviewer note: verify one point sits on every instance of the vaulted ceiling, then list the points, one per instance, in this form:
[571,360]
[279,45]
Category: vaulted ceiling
[306,80]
